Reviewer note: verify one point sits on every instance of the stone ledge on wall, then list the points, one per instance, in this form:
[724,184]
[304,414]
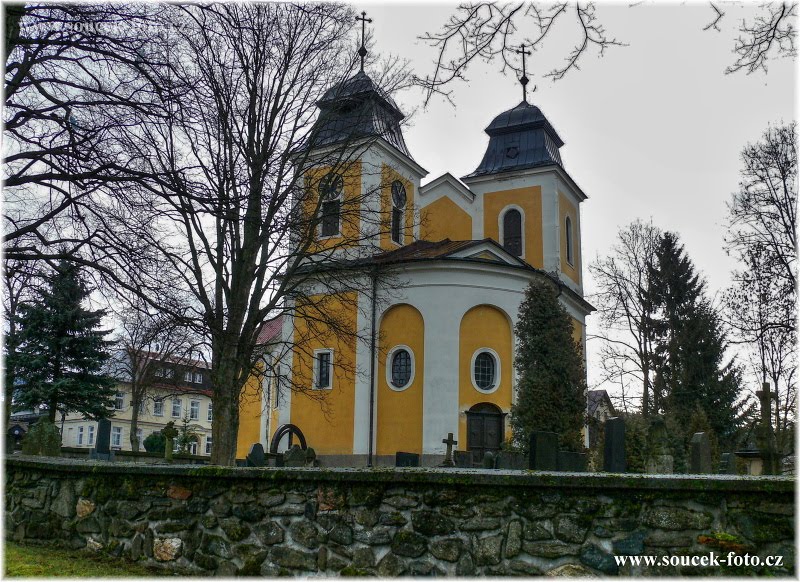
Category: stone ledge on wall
[391,522]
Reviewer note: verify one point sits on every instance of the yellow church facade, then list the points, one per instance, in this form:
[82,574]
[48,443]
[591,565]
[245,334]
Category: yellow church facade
[424,344]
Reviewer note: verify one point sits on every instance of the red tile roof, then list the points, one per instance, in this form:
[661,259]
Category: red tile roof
[269,330]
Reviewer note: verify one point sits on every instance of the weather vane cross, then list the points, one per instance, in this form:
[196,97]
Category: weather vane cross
[362,52]
[524,80]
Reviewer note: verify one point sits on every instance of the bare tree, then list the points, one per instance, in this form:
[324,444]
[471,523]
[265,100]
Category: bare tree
[626,313]
[151,347]
[237,176]
[488,30]
[762,303]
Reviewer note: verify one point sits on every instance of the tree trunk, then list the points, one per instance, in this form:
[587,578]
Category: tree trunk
[224,435]
[134,420]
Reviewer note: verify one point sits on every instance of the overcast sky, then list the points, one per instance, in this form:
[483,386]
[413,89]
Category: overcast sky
[653,129]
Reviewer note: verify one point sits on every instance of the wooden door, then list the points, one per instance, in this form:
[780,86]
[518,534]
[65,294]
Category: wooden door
[484,431]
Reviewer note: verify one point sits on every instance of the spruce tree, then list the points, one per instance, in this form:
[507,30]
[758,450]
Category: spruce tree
[690,367]
[551,388]
[62,351]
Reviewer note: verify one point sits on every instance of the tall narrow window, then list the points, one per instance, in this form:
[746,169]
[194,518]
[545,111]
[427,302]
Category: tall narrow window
[568,233]
[322,373]
[194,410]
[158,408]
[330,192]
[80,435]
[91,434]
[512,232]
[398,210]
[176,408]
[119,401]
[210,412]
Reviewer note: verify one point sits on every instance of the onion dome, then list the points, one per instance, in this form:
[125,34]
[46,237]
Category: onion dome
[355,109]
[520,138]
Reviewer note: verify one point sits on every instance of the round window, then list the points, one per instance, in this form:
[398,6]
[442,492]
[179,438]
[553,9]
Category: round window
[398,194]
[401,368]
[485,371]
[331,186]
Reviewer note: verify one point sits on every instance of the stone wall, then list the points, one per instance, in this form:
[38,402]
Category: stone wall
[394,522]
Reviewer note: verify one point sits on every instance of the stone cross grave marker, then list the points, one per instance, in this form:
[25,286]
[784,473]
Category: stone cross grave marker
[406,459]
[169,432]
[256,458]
[294,457]
[543,451]
[700,462]
[614,447]
[765,437]
[448,456]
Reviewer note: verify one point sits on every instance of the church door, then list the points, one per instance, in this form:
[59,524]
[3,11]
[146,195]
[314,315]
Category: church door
[484,430]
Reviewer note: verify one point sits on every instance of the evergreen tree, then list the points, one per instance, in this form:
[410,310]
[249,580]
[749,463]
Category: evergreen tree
[62,351]
[690,366]
[551,391]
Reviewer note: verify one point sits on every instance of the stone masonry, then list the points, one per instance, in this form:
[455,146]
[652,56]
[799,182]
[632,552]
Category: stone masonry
[410,521]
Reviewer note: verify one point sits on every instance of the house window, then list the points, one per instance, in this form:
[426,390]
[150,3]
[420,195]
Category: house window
[208,445]
[165,373]
[176,408]
[398,210]
[158,408]
[192,447]
[400,368]
[119,401]
[116,436]
[323,369]
[142,408]
[187,377]
[485,370]
[512,232]
[210,412]
[91,435]
[568,232]
[198,377]
[194,410]
[80,435]
[330,192]
[140,437]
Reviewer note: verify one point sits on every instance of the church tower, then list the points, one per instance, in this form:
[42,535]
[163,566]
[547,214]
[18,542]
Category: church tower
[528,201]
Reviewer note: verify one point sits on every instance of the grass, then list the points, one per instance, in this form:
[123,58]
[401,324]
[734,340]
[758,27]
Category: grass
[23,561]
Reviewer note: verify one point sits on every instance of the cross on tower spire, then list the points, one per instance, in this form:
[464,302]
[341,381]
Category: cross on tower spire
[362,52]
[524,80]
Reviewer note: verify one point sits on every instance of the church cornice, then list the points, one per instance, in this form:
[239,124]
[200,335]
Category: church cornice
[511,174]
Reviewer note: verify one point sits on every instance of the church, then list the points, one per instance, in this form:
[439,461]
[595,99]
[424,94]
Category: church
[444,266]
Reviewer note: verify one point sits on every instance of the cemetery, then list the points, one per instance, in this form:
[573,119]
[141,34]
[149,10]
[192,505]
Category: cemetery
[516,515]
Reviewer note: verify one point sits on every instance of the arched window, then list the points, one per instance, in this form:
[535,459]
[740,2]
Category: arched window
[568,232]
[398,210]
[330,191]
[512,232]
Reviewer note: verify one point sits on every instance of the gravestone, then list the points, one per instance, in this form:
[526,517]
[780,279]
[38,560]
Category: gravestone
[614,446]
[255,458]
[10,445]
[13,438]
[448,456]
[700,460]
[765,435]
[511,460]
[543,451]
[489,460]
[406,459]
[572,462]
[659,459]
[727,464]
[103,443]
[463,459]
[311,458]
[294,457]
[169,432]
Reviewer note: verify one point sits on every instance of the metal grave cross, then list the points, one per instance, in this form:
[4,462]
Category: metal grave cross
[448,457]
[362,52]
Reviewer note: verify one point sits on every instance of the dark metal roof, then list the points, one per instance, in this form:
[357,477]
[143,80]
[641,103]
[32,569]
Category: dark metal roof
[354,109]
[520,138]
[595,398]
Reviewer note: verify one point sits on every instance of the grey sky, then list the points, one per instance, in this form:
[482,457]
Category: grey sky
[653,129]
